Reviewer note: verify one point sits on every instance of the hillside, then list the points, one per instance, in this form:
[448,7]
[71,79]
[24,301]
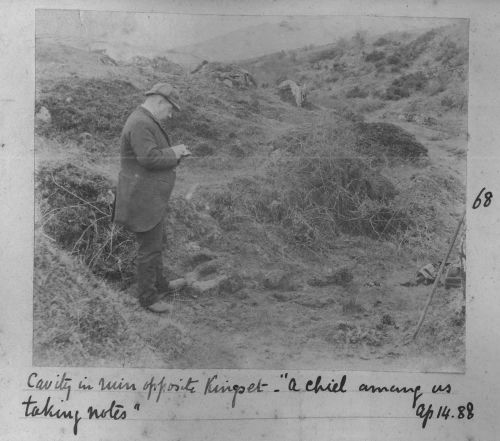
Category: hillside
[392,72]
[264,38]
[305,226]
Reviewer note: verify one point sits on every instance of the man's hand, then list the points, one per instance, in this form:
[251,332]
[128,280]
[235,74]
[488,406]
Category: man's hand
[181,151]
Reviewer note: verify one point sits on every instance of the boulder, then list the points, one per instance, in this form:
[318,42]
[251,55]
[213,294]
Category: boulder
[289,87]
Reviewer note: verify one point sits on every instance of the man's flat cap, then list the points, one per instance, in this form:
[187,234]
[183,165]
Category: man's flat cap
[166,91]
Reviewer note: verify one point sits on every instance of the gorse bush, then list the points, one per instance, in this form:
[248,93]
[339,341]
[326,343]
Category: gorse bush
[450,54]
[411,51]
[394,59]
[333,191]
[405,85]
[369,105]
[101,107]
[189,124]
[386,139]
[161,64]
[76,209]
[382,41]
[293,140]
[413,81]
[375,56]
[95,105]
[455,101]
[402,58]
[356,92]
[326,54]
[395,93]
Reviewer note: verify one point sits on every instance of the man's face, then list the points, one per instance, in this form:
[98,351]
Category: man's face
[164,109]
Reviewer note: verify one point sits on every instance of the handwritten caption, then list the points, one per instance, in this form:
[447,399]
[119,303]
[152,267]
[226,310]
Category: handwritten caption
[479,202]
[153,389]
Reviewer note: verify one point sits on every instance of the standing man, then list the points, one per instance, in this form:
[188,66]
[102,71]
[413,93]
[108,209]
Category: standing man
[145,182]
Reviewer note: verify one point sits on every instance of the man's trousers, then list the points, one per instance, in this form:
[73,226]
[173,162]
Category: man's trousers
[151,282]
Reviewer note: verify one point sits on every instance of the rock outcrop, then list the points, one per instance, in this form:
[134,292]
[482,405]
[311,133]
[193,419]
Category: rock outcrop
[230,75]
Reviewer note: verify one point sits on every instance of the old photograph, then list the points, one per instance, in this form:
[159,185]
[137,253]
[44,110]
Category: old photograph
[250,192]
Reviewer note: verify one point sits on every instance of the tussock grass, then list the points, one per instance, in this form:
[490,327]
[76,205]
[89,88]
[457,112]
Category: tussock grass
[77,319]
[320,186]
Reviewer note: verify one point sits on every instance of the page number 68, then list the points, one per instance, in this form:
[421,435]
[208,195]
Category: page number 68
[478,202]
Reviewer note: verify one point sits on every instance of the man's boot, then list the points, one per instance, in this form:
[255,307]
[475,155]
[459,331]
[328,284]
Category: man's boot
[163,284]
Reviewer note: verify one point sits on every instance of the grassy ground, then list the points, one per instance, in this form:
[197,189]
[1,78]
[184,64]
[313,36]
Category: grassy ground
[368,180]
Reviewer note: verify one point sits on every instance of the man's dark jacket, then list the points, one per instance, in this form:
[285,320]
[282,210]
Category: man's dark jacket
[147,174]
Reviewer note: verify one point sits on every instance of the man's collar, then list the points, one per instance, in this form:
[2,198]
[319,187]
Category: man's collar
[148,112]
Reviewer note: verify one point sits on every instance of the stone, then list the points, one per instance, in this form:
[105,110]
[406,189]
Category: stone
[201,255]
[193,247]
[205,286]
[43,115]
[177,283]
